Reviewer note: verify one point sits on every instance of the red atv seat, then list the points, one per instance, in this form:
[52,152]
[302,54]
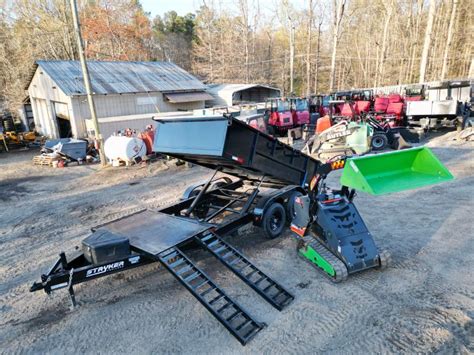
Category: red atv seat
[346,110]
[413,98]
[362,106]
[394,98]
[381,104]
[395,108]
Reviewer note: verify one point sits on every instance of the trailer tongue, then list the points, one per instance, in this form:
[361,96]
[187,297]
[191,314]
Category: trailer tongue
[331,234]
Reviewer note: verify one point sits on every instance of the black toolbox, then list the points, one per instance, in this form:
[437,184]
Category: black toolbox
[103,246]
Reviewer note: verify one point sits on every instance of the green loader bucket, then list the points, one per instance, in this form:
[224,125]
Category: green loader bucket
[394,171]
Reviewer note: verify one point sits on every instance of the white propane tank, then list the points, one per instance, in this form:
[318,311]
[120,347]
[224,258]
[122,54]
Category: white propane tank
[124,148]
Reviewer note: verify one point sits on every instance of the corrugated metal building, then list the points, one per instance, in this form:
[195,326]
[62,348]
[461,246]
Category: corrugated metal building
[126,95]
[234,94]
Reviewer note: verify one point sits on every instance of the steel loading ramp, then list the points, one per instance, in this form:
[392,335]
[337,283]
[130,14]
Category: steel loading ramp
[160,235]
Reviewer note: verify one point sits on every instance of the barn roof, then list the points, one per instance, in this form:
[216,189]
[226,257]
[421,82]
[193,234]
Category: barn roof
[231,88]
[119,77]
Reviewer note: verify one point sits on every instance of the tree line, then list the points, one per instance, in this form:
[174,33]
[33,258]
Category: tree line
[323,46]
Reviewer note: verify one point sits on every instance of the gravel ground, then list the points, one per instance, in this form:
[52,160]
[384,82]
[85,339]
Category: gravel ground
[422,304]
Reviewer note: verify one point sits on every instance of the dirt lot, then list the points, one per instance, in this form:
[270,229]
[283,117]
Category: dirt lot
[423,303]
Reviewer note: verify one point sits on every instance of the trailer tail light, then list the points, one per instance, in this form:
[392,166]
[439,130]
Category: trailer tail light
[238,159]
[337,164]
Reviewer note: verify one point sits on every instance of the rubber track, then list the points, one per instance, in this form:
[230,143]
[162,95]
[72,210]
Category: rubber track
[336,263]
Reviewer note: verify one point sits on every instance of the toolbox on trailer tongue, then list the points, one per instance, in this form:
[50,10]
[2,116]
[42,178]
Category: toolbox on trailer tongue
[103,246]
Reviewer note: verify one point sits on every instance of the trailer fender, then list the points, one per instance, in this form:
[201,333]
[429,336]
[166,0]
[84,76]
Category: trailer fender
[191,189]
[281,196]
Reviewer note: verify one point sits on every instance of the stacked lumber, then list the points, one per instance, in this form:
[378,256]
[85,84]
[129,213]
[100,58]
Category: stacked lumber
[45,160]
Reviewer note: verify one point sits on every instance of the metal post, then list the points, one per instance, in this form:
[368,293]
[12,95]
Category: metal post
[87,83]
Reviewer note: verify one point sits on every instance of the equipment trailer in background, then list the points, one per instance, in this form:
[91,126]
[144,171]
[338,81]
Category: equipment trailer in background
[277,185]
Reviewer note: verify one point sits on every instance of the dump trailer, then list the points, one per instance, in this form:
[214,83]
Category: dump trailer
[272,186]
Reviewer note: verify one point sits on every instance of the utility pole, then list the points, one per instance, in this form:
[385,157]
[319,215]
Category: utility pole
[87,83]
[292,53]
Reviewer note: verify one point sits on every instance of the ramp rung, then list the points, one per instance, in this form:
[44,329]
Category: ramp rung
[224,307]
[184,270]
[261,279]
[268,287]
[247,322]
[207,291]
[235,261]
[231,263]
[225,256]
[233,316]
[200,284]
[176,263]
[213,243]
[207,237]
[218,250]
[192,277]
[216,299]
[226,311]
[250,274]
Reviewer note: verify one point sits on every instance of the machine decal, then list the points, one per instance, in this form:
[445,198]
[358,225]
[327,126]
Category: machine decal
[105,268]
[134,260]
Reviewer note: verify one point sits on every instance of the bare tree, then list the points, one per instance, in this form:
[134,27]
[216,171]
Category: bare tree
[338,14]
[449,40]
[308,46]
[427,42]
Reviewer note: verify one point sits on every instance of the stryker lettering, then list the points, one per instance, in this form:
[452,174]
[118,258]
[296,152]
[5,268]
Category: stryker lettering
[106,268]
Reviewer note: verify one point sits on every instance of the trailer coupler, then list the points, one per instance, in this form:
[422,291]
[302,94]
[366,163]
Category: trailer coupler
[64,274]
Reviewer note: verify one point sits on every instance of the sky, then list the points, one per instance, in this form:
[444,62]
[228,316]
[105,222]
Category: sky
[182,7]
[159,7]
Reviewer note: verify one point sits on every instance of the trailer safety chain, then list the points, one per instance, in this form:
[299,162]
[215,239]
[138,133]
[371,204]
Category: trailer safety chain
[71,290]
[69,284]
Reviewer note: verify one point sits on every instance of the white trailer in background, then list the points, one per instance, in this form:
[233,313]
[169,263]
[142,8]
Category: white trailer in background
[444,107]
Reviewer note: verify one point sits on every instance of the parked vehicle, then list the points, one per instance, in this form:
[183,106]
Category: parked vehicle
[300,111]
[444,107]
[279,115]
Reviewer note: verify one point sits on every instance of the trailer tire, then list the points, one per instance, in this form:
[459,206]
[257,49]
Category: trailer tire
[379,142]
[202,209]
[274,220]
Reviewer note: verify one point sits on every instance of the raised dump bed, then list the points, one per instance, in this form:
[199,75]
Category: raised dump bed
[235,147]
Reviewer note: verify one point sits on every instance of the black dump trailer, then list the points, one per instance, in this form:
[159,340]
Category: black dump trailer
[271,181]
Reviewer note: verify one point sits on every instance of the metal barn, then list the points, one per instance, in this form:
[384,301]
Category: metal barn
[126,94]
[234,94]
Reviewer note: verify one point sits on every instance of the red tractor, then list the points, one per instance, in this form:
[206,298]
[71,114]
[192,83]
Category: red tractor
[300,110]
[390,108]
[280,116]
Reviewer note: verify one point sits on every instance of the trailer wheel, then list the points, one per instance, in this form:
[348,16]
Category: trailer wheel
[379,141]
[290,205]
[201,210]
[274,220]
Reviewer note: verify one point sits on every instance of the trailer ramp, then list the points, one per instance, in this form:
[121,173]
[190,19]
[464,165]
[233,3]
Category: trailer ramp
[162,236]
[270,290]
[222,307]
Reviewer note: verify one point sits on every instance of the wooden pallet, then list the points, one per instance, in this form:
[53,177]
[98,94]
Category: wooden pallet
[44,160]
